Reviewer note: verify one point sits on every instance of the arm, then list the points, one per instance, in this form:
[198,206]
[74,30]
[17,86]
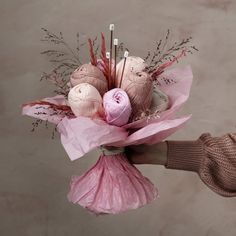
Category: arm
[214,159]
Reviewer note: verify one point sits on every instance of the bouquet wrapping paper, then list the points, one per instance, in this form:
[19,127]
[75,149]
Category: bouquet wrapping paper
[114,185]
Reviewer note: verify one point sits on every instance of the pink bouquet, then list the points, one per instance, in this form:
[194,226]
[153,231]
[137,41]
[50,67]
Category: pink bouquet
[110,105]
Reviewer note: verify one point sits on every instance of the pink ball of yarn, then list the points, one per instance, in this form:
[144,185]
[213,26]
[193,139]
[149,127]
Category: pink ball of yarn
[117,107]
[85,100]
[88,73]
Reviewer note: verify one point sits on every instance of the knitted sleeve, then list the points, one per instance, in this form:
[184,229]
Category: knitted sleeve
[213,158]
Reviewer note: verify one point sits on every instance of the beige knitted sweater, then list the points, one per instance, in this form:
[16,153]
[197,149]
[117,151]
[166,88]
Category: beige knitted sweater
[214,159]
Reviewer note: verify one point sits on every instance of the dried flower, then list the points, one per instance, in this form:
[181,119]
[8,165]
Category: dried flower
[93,58]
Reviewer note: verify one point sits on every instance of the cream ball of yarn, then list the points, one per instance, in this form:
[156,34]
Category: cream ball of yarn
[85,100]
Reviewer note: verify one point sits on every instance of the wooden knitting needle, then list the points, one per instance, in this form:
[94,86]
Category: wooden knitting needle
[112,27]
[115,44]
[126,54]
[109,72]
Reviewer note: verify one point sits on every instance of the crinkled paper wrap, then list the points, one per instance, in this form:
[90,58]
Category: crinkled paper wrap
[111,186]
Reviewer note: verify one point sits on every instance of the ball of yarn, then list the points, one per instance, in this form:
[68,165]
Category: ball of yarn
[139,88]
[88,73]
[132,65]
[117,107]
[85,100]
[136,83]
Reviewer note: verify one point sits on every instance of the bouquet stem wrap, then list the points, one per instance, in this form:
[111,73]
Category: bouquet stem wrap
[113,185]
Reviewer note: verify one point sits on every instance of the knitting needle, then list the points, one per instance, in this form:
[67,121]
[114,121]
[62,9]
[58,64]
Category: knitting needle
[126,54]
[116,44]
[109,72]
[112,27]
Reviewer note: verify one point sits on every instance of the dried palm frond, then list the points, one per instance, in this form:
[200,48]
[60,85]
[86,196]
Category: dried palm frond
[93,58]
[105,61]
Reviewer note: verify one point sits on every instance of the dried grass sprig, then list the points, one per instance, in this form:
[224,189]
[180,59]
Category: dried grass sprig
[164,54]
[38,122]
[63,57]
[55,39]
[120,50]
[63,110]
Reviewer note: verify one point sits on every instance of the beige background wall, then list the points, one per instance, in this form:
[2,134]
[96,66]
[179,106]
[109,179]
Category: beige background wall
[35,170]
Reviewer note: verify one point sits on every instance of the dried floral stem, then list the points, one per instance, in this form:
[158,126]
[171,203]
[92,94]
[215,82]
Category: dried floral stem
[162,67]
[105,61]
[59,39]
[65,59]
[120,50]
[54,131]
[51,105]
[161,55]
[36,124]
[39,122]
[93,58]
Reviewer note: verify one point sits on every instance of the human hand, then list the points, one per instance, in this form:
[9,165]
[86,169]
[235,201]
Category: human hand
[147,154]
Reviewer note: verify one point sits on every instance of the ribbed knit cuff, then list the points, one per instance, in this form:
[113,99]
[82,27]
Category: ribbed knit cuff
[185,155]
